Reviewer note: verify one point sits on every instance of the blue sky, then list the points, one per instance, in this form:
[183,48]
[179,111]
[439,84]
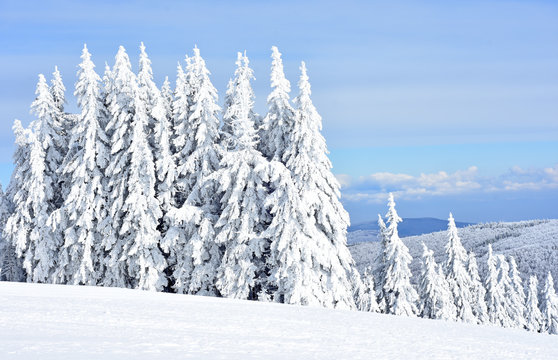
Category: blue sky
[452,105]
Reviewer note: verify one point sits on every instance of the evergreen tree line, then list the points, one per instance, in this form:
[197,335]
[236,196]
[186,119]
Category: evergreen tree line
[454,290]
[162,190]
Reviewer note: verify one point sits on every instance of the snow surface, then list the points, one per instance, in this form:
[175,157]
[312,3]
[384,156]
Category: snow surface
[40,321]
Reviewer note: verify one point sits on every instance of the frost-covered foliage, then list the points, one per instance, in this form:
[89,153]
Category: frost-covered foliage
[478,293]
[278,124]
[516,294]
[533,315]
[549,306]
[435,297]
[243,181]
[458,277]
[399,295]
[306,158]
[195,256]
[10,264]
[84,207]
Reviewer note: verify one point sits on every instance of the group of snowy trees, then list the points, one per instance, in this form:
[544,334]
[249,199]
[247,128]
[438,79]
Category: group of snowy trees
[454,290]
[161,189]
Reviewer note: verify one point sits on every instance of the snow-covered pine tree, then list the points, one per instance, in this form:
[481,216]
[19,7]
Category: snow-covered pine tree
[458,278]
[243,180]
[478,293]
[399,295]
[166,93]
[159,128]
[19,221]
[57,90]
[293,278]
[435,298]
[495,294]
[380,265]
[134,258]
[533,315]
[516,294]
[84,207]
[190,238]
[549,307]
[10,264]
[504,282]
[306,158]
[279,121]
[367,297]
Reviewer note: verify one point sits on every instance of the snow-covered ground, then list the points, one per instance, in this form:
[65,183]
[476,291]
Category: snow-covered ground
[70,322]
[534,244]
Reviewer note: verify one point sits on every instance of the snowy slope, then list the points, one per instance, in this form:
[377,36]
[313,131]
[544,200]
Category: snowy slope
[70,322]
[534,244]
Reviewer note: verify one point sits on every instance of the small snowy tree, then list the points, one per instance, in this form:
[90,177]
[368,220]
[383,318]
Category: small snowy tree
[533,315]
[366,297]
[57,90]
[400,296]
[495,292]
[549,307]
[380,264]
[478,293]
[516,294]
[190,238]
[457,276]
[10,265]
[84,207]
[505,317]
[306,158]
[435,298]
[279,121]
[243,179]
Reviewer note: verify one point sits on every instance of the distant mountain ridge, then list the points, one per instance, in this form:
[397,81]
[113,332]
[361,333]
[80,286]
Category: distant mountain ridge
[409,227]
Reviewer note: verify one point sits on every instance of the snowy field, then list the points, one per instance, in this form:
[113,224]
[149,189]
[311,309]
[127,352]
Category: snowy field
[534,244]
[69,322]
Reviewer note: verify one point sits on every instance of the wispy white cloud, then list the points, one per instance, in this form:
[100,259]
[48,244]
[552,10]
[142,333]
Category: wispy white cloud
[374,187]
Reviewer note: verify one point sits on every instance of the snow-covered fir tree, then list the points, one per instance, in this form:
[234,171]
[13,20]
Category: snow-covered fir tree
[279,121]
[58,92]
[159,128]
[549,307]
[167,94]
[134,258]
[306,158]
[533,315]
[366,299]
[504,282]
[516,294]
[84,207]
[458,278]
[190,238]
[495,293]
[243,179]
[380,264]
[435,298]
[478,293]
[10,265]
[399,295]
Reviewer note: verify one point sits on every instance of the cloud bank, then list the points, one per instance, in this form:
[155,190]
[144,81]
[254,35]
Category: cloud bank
[374,188]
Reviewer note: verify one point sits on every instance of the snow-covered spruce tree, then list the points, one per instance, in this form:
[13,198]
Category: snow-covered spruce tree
[516,294]
[435,298]
[134,258]
[190,238]
[166,93]
[504,282]
[478,293]
[380,265]
[533,315]
[549,307]
[399,295]
[10,265]
[243,180]
[49,131]
[294,279]
[57,90]
[84,206]
[495,293]
[306,158]
[19,222]
[159,128]
[458,278]
[366,298]
[279,121]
